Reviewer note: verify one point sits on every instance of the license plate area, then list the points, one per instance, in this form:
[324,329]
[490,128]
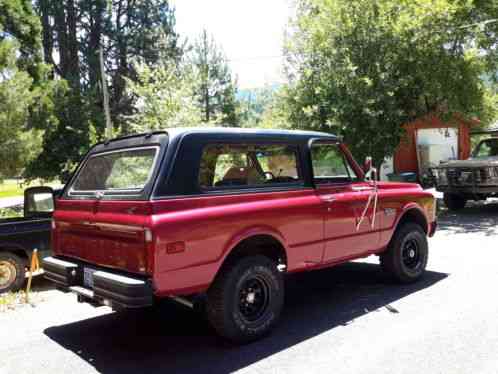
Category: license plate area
[88,277]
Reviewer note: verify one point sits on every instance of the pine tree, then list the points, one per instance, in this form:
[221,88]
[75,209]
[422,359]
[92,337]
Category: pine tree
[215,89]
[24,90]
[74,31]
[19,22]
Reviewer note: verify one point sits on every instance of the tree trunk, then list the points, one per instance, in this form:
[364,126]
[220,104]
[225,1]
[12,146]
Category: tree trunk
[94,43]
[48,40]
[73,63]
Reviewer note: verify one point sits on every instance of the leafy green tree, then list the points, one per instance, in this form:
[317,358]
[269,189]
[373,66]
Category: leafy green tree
[363,68]
[73,33]
[215,89]
[18,21]
[25,93]
[165,98]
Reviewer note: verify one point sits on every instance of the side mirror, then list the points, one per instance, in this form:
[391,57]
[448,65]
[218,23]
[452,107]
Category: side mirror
[367,164]
[39,202]
[369,170]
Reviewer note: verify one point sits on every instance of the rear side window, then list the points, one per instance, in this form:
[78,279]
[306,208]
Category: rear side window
[122,172]
[330,165]
[248,165]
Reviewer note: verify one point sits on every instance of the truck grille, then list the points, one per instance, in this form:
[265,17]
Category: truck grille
[465,177]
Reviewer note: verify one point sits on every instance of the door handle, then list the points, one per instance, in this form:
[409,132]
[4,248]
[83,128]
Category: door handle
[362,188]
[329,200]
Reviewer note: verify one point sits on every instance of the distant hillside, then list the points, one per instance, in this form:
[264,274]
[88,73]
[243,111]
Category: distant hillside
[254,102]
[251,94]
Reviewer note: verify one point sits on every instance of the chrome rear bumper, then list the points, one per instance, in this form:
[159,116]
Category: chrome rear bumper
[108,288]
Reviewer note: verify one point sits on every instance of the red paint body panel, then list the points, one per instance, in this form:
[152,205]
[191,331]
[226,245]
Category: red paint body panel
[314,232]
[212,225]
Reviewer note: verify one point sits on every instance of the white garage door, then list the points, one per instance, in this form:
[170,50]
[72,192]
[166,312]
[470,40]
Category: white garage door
[436,145]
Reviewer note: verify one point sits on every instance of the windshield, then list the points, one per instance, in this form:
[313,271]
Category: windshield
[487,148]
[119,172]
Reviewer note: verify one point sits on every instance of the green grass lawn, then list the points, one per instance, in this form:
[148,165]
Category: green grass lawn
[11,187]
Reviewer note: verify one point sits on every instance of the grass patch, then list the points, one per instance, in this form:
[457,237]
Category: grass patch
[12,300]
[11,187]
[15,300]
[16,187]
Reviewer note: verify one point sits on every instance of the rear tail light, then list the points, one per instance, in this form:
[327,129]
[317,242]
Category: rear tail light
[53,224]
[150,250]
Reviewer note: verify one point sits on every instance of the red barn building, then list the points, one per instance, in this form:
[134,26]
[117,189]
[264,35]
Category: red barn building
[429,140]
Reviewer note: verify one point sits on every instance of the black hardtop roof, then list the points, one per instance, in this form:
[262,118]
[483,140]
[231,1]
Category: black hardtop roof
[177,132]
[277,133]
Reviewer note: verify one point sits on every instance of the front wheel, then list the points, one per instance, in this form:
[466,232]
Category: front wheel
[11,272]
[454,201]
[406,256]
[245,301]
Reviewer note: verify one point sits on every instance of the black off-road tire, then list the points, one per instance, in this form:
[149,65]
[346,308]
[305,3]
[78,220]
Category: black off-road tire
[229,309]
[454,201]
[406,256]
[12,267]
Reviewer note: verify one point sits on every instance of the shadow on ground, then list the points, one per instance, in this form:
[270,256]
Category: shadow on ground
[40,284]
[480,217]
[174,339]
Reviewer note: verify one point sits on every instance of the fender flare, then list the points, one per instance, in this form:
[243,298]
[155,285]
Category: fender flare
[11,247]
[247,233]
[408,209]
[17,250]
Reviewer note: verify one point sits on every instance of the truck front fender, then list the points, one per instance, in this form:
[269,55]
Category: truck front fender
[413,212]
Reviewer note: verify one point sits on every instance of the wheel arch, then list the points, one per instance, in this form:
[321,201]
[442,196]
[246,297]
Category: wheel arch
[17,250]
[256,240]
[414,214]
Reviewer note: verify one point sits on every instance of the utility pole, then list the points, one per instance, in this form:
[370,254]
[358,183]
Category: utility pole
[108,124]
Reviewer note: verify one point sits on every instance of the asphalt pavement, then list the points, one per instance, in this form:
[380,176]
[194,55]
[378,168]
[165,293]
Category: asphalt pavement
[348,319]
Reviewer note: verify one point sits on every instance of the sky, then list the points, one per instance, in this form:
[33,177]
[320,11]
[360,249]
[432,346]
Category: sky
[251,33]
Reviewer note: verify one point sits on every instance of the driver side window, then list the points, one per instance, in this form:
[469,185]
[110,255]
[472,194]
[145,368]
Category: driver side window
[330,165]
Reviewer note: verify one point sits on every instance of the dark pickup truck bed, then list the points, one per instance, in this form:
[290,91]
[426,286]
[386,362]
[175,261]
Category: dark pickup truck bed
[25,234]
[20,236]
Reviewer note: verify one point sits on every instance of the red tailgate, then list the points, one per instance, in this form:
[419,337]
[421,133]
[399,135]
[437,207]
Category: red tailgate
[103,232]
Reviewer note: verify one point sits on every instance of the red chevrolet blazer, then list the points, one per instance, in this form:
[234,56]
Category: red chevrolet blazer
[227,213]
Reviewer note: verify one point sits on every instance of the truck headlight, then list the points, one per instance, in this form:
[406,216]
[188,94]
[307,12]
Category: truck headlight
[442,177]
[490,172]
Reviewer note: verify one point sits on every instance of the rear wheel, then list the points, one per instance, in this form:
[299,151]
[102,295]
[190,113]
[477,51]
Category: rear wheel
[406,256]
[245,301]
[11,272]
[454,201]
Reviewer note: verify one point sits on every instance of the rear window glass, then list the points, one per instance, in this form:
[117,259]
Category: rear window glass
[243,165]
[122,171]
